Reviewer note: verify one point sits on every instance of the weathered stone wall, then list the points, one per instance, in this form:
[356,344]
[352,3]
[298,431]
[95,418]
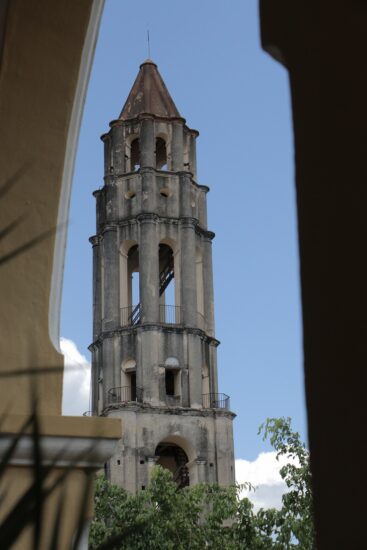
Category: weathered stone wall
[205,436]
[151,205]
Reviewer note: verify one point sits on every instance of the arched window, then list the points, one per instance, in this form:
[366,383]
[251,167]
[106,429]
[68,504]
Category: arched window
[135,155]
[167,290]
[160,154]
[174,458]
[129,284]
[128,380]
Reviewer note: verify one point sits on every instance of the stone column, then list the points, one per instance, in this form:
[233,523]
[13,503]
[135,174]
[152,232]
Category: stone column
[149,268]
[148,370]
[188,273]
[203,216]
[109,371]
[188,254]
[118,149]
[148,190]
[110,205]
[177,147]
[213,372]
[94,379]
[111,302]
[151,462]
[192,154]
[185,194]
[208,286]
[192,466]
[201,470]
[147,144]
[107,153]
[195,364]
[97,305]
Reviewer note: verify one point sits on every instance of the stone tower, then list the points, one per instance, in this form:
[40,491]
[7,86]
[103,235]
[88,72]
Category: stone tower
[154,349]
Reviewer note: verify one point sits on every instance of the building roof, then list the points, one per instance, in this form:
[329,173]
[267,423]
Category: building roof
[149,95]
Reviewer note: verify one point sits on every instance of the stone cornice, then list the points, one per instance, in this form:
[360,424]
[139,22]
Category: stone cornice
[151,217]
[95,240]
[111,179]
[149,116]
[180,411]
[176,329]
[147,217]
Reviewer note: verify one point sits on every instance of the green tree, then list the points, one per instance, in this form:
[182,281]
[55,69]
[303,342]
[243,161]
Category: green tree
[293,523]
[162,517]
[206,515]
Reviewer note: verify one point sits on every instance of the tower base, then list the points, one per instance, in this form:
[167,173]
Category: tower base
[195,444]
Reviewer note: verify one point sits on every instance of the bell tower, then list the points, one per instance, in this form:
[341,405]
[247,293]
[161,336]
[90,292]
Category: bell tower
[154,349]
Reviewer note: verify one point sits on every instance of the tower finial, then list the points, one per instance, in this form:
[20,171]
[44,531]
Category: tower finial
[148,39]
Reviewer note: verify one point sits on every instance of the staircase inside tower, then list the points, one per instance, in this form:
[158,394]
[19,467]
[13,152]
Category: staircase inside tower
[166,275]
[175,459]
[167,272]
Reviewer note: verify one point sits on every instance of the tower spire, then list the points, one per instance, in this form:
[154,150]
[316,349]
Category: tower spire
[149,95]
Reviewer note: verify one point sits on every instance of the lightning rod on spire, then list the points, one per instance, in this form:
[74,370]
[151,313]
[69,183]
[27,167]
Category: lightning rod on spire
[148,38]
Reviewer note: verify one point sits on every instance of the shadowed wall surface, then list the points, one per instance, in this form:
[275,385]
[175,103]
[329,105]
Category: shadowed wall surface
[40,60]
[322,44]
[46,53]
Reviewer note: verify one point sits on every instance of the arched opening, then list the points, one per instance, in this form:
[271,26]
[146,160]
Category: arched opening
[128,380]
[129,285]
[135,155]
[172,381]
[134,286]
[173,458]
[160,154]
[169,313]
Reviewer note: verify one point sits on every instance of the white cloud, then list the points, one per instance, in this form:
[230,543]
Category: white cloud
[263,473]
[75,399]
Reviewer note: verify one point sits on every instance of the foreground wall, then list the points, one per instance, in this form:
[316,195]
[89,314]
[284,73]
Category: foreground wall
[46,49]
[323,46]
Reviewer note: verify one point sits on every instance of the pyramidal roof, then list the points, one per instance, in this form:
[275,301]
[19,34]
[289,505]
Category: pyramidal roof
[149,95]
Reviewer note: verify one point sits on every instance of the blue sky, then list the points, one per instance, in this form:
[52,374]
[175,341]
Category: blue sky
[209,55]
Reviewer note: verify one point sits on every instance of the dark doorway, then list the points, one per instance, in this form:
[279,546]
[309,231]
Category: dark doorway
[133,386]
[170,382]
[175,459]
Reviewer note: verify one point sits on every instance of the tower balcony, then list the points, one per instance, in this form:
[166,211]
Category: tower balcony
[216,401]
[168,315]
[124,394]
[131,394]
[132,315]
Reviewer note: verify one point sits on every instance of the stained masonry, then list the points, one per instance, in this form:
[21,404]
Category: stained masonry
[154,349]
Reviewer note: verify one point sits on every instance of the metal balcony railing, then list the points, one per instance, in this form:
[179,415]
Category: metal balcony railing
[216,401]
[124,394]
[130,315]
[170,315]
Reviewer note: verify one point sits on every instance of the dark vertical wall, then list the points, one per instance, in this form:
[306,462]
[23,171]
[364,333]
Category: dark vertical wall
[323,45]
